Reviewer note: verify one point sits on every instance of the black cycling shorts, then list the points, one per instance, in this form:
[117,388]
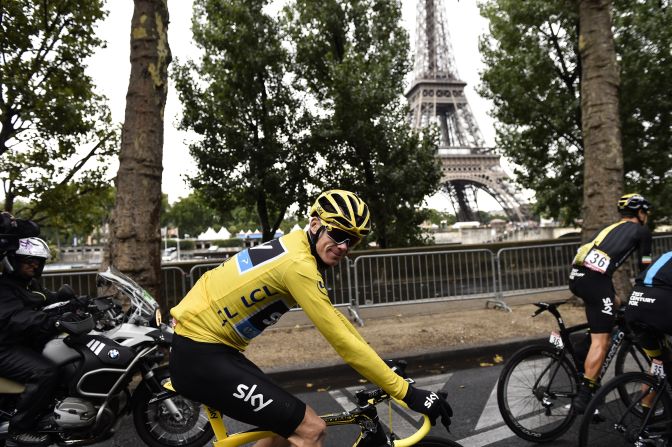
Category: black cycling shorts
[650,308]
[597,292]
[222,378]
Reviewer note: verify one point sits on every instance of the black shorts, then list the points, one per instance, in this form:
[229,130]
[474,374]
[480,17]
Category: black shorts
[649,313]
[597,292]
[222,378]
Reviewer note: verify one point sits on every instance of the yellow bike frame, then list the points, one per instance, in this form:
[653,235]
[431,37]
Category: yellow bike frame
[224,439]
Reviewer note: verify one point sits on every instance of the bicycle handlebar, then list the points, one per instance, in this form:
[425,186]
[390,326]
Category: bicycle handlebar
[418,435]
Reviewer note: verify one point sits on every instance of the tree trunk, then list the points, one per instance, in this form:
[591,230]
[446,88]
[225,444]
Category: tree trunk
[135,240]
[603,155]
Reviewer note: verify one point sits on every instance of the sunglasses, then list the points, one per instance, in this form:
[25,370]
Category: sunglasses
[342,237]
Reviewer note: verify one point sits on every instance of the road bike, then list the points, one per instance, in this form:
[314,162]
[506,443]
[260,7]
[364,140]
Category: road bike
[537,385]
[633,409]
[364,414]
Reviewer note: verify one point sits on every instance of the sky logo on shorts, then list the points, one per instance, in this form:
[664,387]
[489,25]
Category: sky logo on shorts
[256,400]
[608,305]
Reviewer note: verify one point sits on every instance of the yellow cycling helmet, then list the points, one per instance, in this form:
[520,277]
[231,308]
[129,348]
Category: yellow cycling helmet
[343,210]
[630,204]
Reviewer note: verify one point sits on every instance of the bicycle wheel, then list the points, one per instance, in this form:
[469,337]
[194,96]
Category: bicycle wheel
[429,441]
[630,358]
[615,420]
[535,392]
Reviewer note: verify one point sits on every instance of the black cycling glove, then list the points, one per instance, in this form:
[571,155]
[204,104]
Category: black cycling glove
[430,403]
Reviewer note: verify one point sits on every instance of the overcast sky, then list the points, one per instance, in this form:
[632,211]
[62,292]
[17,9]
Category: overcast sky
[110,69]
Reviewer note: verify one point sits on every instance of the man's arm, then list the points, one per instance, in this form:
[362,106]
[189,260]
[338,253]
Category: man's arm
[342,336]
[349,326]
[21,320]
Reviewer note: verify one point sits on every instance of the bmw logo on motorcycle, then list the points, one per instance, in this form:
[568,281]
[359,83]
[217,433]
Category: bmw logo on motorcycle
[113,353]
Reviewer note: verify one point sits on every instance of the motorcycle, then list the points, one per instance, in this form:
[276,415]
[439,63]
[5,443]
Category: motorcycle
[111,363]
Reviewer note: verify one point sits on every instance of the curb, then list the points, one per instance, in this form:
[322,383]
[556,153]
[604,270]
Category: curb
[322,377]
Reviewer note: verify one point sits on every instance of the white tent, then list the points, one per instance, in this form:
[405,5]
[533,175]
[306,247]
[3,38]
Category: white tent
[223,233]
[296,227]
[208,235]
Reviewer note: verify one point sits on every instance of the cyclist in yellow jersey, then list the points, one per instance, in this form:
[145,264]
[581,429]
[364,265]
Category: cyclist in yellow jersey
[235,302]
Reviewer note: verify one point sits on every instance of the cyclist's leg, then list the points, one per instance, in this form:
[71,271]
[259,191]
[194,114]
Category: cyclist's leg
[310,433]
[222,378]
[599,344]
[597,292]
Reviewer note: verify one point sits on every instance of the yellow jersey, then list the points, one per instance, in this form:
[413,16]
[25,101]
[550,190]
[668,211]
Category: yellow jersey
[236,301]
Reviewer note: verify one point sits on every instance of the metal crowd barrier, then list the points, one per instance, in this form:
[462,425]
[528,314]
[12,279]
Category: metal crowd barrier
[387,279]
[174,285]
[534,267]
[661,244]
[412,277]
[83,282]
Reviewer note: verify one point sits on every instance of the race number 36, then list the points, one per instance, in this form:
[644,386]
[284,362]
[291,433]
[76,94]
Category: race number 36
[597,260]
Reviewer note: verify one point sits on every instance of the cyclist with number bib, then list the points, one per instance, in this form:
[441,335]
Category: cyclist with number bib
[650,308]
[590,280]
[236,301]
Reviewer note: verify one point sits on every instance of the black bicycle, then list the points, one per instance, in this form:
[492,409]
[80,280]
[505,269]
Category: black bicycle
[537,385]
[633,409]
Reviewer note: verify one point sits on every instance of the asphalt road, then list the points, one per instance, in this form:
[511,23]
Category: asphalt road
[472,393]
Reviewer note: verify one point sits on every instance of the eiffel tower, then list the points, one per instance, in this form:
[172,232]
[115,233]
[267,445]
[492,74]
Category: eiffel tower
[436,96]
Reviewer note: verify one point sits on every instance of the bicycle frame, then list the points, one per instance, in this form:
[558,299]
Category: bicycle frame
[616,339]
[364,414]
[656,390]
[565,331]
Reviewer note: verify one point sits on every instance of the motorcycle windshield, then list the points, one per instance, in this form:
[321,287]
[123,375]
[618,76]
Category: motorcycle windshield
[143,305]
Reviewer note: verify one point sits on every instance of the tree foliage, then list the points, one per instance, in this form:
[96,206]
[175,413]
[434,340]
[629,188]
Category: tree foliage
[62,220]
[643,34]
[533,77]
[252,148]
[191,215]
[352,58]
[52,122]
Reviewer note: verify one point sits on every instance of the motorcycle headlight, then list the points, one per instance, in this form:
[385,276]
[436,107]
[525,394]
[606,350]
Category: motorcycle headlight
[157,317]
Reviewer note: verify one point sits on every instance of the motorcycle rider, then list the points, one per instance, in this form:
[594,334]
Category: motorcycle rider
[25,329]
[235,302]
